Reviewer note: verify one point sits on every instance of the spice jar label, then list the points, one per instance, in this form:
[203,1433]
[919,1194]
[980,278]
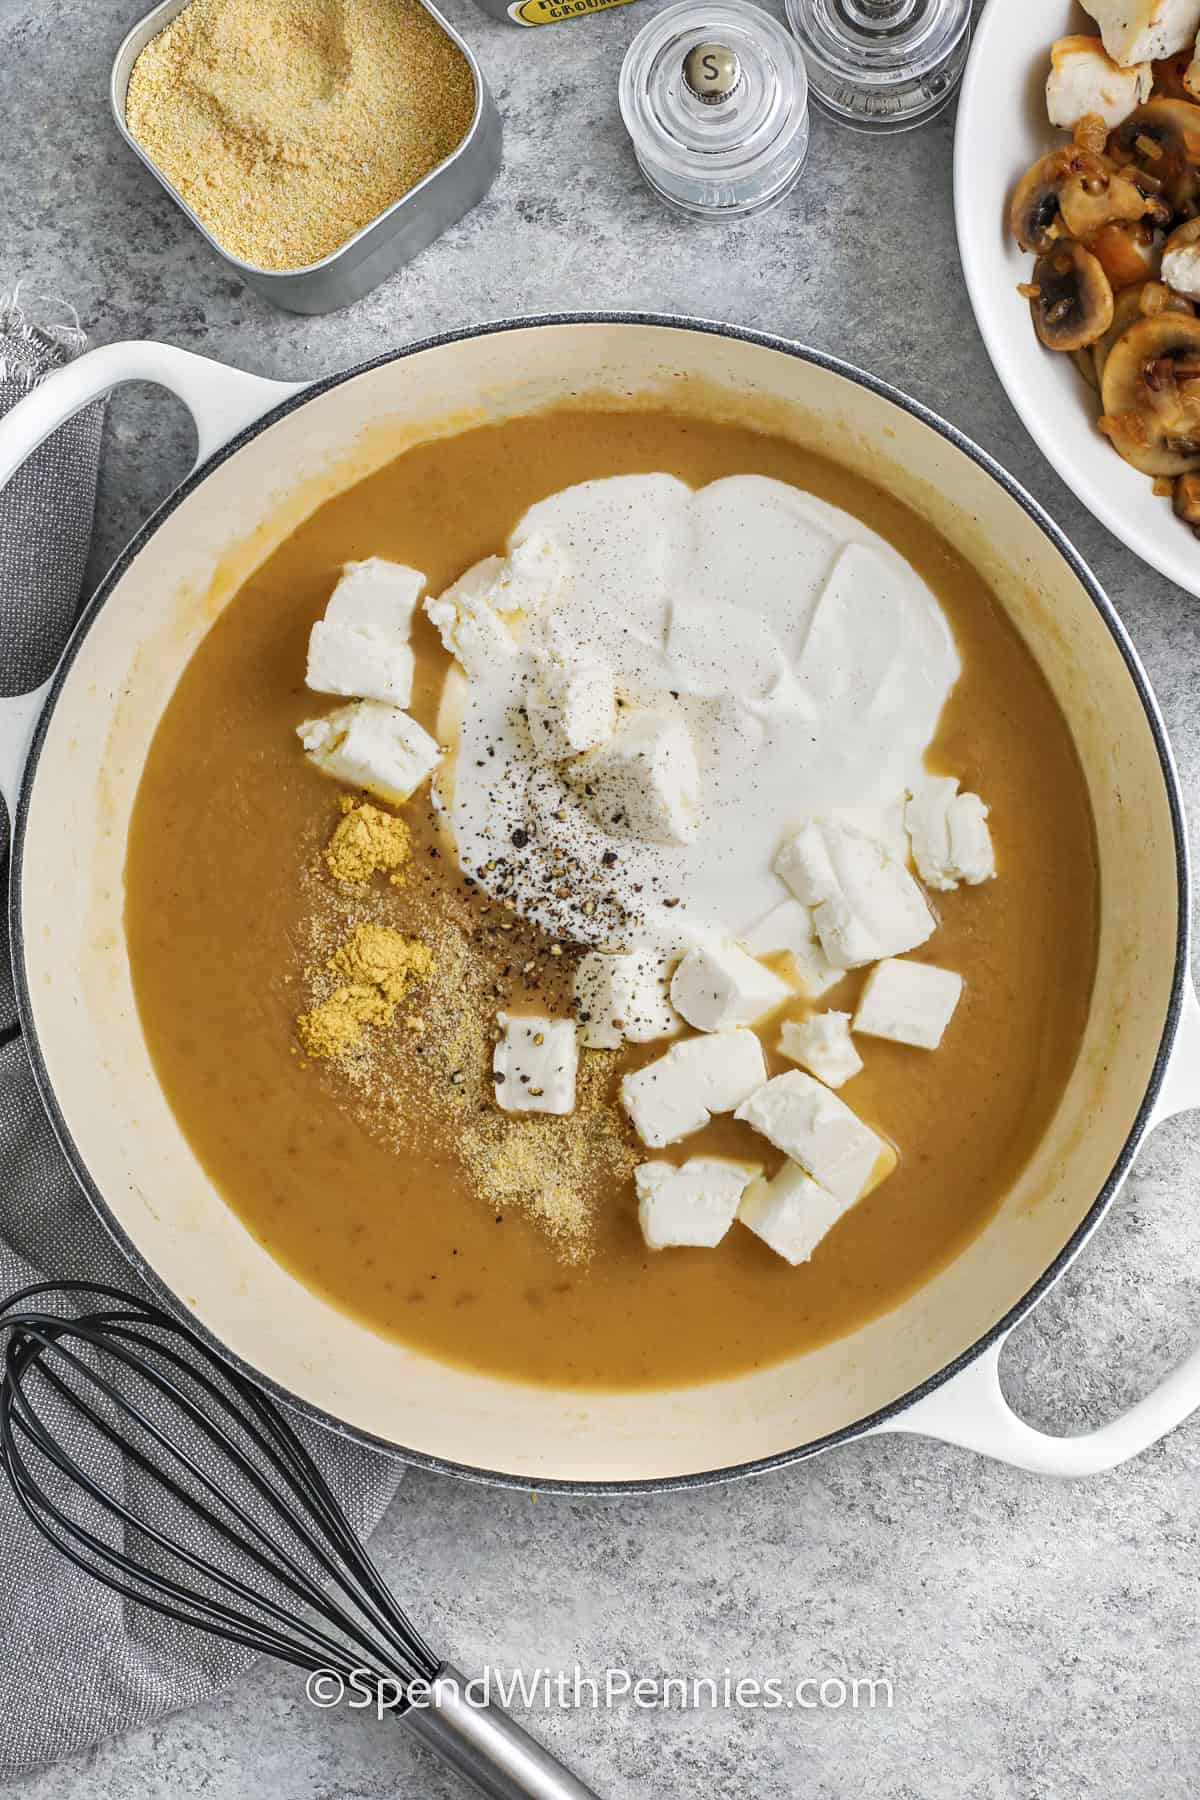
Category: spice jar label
[549,12]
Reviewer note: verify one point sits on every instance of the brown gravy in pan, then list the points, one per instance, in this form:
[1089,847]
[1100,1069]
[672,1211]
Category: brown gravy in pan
[229,817]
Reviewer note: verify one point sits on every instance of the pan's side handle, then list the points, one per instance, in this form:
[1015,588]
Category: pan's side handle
[970,1409]
[221,400]
[18,718]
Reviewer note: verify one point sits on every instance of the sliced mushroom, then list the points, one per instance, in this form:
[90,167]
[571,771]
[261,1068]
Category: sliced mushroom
[1084,361]
[1126,312]
[1130,305]
[1163,139]
[1151,394]
[1186,500]
[1100,194]
[1156,297]
[1072,304]
[1034,217]
[1162,135]
[1071,192]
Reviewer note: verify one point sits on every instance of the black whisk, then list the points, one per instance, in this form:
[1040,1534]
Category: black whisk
[187,1490]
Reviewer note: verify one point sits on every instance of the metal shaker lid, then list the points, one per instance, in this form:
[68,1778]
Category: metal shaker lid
[712,73]
[714,96]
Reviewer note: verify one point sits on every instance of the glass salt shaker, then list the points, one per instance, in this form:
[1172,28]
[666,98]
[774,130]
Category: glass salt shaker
[882,65]
[714,96]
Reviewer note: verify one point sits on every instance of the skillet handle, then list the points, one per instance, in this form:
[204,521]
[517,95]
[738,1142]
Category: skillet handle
[970,1410]
[221,400]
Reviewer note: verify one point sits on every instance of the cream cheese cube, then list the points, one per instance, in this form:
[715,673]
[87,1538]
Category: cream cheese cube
[804,862]
[621,997]
[864,903]
[643,782]
[571,708]
[372,746]
[789,927]
[971,850]
[949,834]
[678,1093]
[811,1125]
[468,617]
[695,1204]
[1138,31]
[814,973]
[909,1002]
[791,1212]
[718,985]
[376,597]
[360,647]
[822,1045]
[1084,80]
[342,661]
[535,1064]
[472,614]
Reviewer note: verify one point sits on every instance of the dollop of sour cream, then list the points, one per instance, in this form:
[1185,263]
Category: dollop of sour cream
[808,660]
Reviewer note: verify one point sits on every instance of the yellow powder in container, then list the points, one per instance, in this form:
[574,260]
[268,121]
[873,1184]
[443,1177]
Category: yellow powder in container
[378,966]
[288,125]
[367,841]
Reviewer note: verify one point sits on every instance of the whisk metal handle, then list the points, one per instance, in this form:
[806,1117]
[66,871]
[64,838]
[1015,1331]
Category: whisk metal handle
[489,1749]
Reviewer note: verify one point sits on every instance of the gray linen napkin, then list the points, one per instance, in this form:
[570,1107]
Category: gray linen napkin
[76,1662]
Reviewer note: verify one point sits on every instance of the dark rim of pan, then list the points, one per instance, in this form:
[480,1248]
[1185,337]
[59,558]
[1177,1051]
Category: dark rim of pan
[859,1427]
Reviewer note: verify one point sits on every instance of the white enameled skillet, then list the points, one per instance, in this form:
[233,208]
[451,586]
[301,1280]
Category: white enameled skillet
[72,756]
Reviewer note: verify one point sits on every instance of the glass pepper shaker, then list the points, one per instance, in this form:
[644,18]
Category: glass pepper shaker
[714,95]
[882,65]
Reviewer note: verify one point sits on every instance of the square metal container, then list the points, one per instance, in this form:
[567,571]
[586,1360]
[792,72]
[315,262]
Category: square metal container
[388,241]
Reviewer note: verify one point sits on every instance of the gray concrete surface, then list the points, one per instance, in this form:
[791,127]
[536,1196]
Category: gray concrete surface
[1040,1639]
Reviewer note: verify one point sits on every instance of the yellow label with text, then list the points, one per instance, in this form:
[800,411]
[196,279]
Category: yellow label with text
[549,12]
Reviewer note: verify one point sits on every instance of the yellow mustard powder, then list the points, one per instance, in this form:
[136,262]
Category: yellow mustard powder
[378,967]
[367,841]
[336,1025]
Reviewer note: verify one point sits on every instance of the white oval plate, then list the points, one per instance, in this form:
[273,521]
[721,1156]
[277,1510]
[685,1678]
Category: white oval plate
[1002,127]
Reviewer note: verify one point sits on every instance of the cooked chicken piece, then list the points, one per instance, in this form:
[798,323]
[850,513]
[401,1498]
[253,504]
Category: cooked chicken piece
[1181,260]
[1085,81]
[1137,31]
[1191,74]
